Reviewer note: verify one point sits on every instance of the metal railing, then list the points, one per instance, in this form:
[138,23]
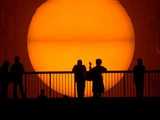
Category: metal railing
[60,84]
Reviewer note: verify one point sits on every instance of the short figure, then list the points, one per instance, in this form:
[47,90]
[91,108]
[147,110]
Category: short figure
[79,71]
[96,72]
[138,73]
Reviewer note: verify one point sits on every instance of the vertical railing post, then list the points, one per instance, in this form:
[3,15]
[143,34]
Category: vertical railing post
[75,90]
[148,79]
[50,84]
[25,84]
[124,85]
[74,87]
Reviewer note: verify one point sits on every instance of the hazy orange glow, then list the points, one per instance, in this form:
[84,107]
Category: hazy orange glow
[63,31]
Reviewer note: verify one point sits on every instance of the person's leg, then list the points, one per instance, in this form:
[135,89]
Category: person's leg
[141,90]
[2,95]
[96,94]
[15,89]
[21,89]
[137,88]
[83,88]
[5,90]
[99,94]
[137,91]
[79,89]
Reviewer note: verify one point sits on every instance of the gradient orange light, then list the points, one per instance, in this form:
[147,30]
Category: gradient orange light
[63,31]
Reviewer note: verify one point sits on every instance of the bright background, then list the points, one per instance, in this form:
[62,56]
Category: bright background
[61,32]
[15,17]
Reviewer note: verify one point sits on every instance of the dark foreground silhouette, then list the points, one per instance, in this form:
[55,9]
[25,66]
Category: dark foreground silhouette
[77,106]
[138,74]
[79,71]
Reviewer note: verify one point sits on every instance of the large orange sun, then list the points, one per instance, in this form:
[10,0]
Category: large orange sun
[63,31]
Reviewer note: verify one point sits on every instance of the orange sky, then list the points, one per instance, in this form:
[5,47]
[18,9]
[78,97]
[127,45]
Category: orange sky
[63,31]
[18,14]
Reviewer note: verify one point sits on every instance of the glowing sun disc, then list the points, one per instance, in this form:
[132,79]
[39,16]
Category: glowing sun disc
[62,31]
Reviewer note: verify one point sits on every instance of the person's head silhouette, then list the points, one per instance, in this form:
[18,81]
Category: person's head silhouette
[140,61]
[79,62]
[98,62]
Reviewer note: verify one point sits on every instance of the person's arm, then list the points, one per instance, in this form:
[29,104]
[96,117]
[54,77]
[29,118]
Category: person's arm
[104,69]
[73,69]
[90,65]
[85,69]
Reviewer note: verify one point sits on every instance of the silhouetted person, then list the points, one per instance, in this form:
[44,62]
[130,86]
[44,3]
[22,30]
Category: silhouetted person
[4,76]
[17,71]
[96,72]
[138,73]
[79,74]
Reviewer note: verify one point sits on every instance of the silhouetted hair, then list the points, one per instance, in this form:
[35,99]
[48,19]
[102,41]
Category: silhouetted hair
[98,61]
[79,62]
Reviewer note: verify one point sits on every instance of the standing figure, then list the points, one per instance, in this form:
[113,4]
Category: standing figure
[138,73]
[79,71]
[96,72]
[17,71]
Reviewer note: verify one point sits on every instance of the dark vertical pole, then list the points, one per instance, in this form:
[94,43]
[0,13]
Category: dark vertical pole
[65,78]
[128,87]
[148,82]
[74,88]
[124,85]
[50,85]
[25,84]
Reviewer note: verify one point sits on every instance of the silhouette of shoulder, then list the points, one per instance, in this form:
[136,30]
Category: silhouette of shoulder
[17,67]
[100,69]
[103,69]
[139,68]
[77,68]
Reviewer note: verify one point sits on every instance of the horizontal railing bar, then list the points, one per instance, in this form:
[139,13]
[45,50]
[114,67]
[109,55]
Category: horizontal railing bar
[63,72]
[63,83]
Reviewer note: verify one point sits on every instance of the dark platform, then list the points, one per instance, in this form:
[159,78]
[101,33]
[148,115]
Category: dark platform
[87,105]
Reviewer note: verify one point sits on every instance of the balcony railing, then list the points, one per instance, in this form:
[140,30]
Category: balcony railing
[60,84]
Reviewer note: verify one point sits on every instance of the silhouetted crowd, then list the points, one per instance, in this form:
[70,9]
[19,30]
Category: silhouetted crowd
[13,73]
[95,75]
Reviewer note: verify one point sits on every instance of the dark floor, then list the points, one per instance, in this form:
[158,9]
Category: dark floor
[87,105]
